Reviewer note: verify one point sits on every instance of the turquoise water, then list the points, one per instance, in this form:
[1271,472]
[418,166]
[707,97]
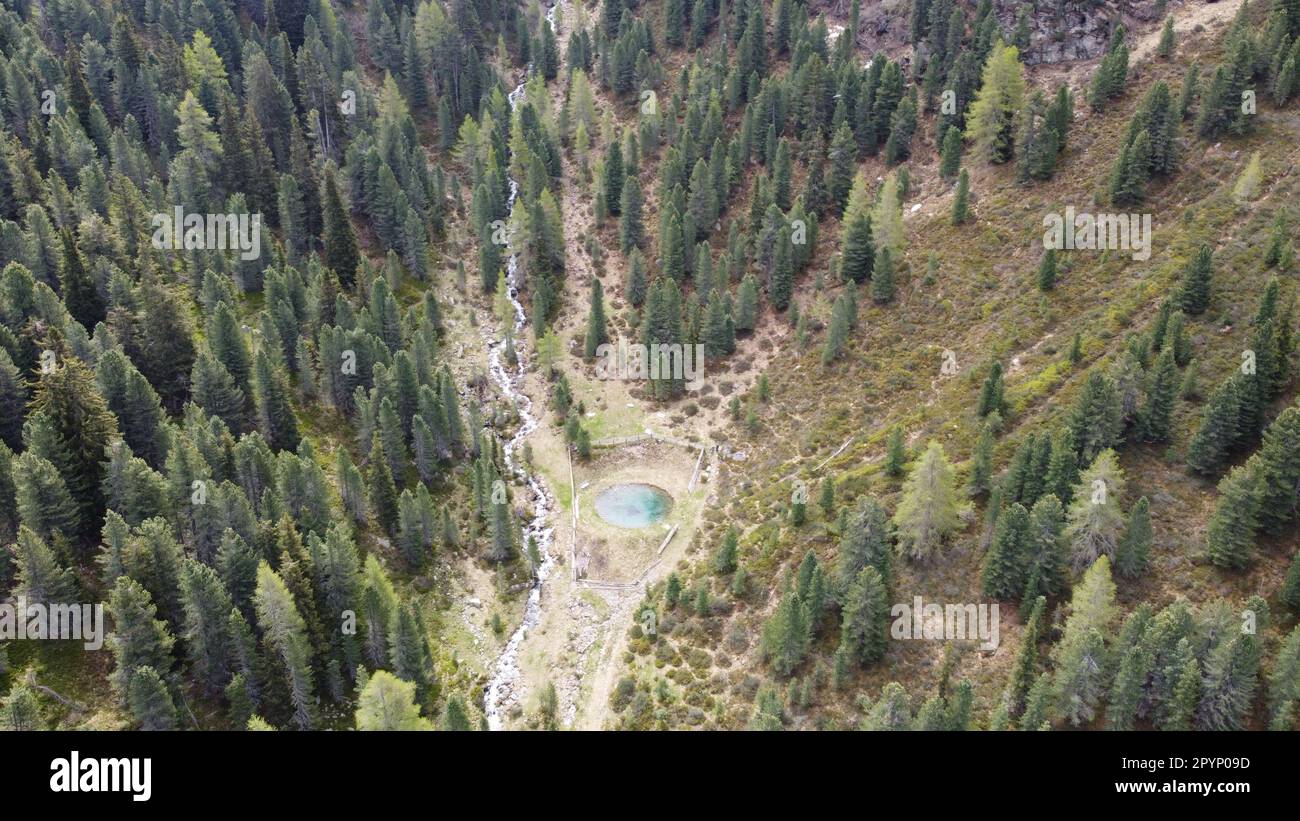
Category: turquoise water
[633,505]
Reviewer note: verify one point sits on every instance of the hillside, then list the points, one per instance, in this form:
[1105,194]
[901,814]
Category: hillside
[310,321]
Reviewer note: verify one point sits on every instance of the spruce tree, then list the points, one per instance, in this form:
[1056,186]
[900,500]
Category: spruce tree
[597,335]
[865,615]
[275,416]
[882,279]
[150,703]
[981,470]
[1165,48]
[859,253]
[1022,673]
[1097,420]
[614,177]
[895,452]
[341,253]
[68,399]
[990,400]
[382,490]
[1161,387]
[1194,294]
[631,233]
[1131,554]
[950,156]
[1230,536]
[959,202]
[1047,270]
[139,639]
[80,292]
[1002,574]
[1219,430]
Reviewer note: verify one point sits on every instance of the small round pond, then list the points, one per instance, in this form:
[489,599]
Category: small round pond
[633,504]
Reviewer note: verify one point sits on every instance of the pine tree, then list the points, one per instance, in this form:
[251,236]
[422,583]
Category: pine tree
[216,392]
[1108,82]
[38,576]
[504,543]
[635,288]
[892,711]
[981,470]
[410,654]
[785,635]
[859,251]
[614,177]
[843,157]
[1279,463]
[781,285]
[1136,658]
[826,496]
[41,498]
[1290,593]
[206,631]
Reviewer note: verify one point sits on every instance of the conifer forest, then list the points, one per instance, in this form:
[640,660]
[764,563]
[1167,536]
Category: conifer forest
[459,365]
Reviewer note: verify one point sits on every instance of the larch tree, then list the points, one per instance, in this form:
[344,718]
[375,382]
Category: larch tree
[990,123]
[286,634]
[929,511]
